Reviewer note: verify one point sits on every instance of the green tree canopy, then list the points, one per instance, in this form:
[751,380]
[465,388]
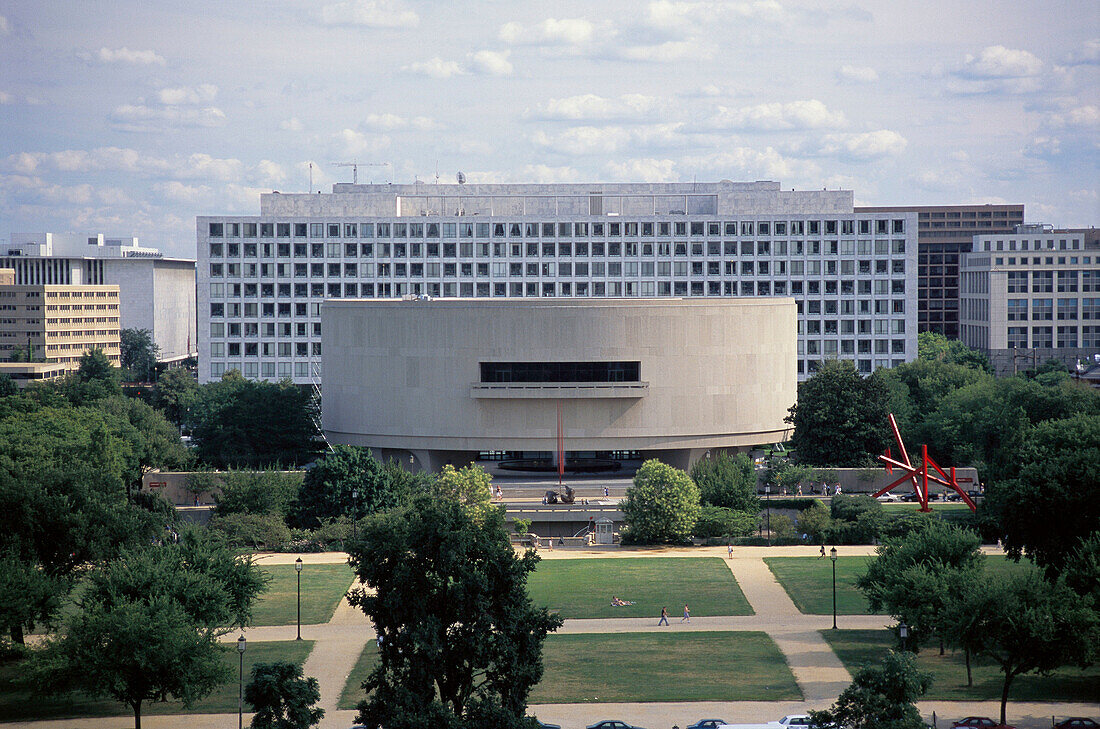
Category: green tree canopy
[241,423]
[471,486]
[840,418]
[256,492]
[462,642]
[326,492]
[879,697]
[281,698]
[935,347]
[138,353]
[149,625]
[662,505]
[728,481]
[175,395]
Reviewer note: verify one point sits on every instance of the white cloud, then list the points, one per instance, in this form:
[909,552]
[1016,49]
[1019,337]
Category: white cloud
[142,118]
[291,125]
[5,26]
[857,74]
[642,170]
[392,122]
[593,107]
[271,171]
[607,140]
[667,51]
[370,13]
[1043,147]
[353,143]
[492,63]
[1081,116]
[1087,55]
[189,95]
[752,164]
[545,174]
[435,67]
[998,62]
[125,55]
[552,31]
[859,147]
[805,114]
[670,14]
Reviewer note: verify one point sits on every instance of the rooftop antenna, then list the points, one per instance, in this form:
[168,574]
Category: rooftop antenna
[437,172]
[310,178]
[356,165]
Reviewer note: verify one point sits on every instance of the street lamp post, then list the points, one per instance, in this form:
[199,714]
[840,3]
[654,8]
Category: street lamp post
[768,499]
[298,570]
[903,633]
[240,688]
[832,556]
[354,513]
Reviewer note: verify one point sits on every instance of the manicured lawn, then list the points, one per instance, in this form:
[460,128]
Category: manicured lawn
[323,586]
[893,507]
[600,667]
[858,647]
[809,581]
[583,588]
[17,705]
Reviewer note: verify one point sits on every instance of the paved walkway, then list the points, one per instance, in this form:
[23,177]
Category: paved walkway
[819,673]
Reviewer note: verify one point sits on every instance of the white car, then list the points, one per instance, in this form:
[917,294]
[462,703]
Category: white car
[888,496]
[790,720]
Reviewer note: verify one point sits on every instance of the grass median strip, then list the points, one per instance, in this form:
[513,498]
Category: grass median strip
[583,588]
[859,647]
[16,703]
[323,587]
[645,667]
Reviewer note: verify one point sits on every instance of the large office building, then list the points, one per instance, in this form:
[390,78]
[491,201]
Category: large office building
[54,325]
[431,382]
[1032,295]
[944,233]
[262,279]
[155,293]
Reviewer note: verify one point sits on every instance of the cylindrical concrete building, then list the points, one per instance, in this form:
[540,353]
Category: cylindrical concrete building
[442,380]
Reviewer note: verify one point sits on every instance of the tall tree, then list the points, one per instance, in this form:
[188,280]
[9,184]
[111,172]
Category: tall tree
[326,491]
[662,505]
[138,353]
[728,481]
[246,424]
[149,625]
[879,697]
[176,394]
[471,486]
[462,642]
[840,417]
[254,492]
[933,346]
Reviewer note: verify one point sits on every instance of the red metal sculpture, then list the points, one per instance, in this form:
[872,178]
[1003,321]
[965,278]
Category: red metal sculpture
[919,475]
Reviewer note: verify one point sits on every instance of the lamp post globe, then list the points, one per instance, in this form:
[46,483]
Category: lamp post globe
[903,633]
[354,513]
[832,558]
[298,574]
[240,684]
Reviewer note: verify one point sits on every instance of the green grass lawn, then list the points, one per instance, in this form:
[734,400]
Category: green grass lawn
[323,586]
[582,588]
[16,703]
[809,581]
[894,507]
[858,647]
[600,667]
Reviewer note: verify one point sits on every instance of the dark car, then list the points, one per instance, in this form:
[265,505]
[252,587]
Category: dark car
[982,722]
[708,724]
[612,724]
[910,497]
[544,725]
[1076,722]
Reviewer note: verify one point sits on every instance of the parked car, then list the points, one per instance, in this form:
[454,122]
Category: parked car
[1076,722]
[612,724]
[707,724]
[982,722]
[544,725]
[888,496]
[910,497]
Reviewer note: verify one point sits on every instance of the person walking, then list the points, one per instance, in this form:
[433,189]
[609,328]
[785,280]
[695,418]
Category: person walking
[664,617]
[822,555]
[729,551]
[606,491]
[687,615]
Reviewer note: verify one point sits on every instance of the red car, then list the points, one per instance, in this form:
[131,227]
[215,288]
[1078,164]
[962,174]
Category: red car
[1077,722]
[980,722]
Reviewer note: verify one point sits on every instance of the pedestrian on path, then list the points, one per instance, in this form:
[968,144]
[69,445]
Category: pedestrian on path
[664,617]
[822,555]
[606,491]
[551,544]
[687,615]
[729,551]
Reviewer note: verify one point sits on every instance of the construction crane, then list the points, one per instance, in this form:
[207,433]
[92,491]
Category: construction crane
[356,165]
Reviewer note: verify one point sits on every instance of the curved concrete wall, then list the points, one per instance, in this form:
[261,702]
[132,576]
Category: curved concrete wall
[405,375]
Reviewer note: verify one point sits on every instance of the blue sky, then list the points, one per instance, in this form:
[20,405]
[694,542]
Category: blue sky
[134,117]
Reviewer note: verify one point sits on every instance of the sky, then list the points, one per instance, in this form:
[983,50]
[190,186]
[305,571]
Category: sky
[133,117]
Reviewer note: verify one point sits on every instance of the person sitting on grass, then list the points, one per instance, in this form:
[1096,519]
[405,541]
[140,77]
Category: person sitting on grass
[616,602]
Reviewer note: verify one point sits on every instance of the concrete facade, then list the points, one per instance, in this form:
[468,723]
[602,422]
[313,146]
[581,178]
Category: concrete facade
[155,293]
[404,377]
[262,279]
[1032,295]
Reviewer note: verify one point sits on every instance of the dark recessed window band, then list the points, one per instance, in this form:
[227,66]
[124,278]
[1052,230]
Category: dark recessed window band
[560,371]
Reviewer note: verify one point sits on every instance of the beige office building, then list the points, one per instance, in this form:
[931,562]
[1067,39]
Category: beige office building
[442,381]
[55,324]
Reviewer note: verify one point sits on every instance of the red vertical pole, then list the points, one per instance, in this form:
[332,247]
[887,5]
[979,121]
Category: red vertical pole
[924,477]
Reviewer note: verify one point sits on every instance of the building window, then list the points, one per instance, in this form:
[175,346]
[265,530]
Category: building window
[1067,309]
[1067,337]
[1042,337]
[1017,337]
